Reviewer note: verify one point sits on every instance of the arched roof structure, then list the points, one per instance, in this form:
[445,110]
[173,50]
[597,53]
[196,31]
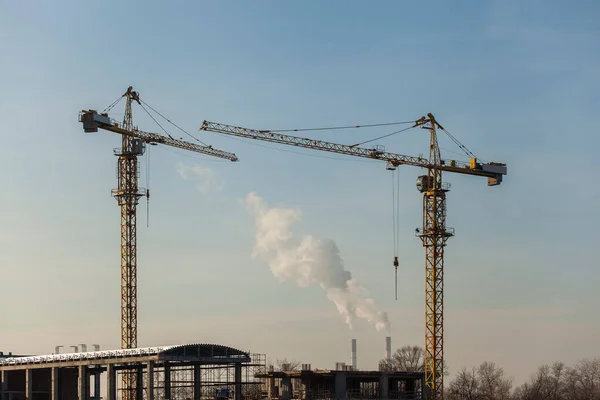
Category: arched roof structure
[193,353]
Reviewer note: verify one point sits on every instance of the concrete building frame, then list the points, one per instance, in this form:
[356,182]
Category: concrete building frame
[344,384]
[189,371]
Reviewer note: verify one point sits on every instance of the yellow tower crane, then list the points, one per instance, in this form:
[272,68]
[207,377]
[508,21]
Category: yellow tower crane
[128,194]
[433,233]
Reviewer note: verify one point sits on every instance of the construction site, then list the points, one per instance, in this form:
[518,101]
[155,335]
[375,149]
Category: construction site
[215,371]
[195,371]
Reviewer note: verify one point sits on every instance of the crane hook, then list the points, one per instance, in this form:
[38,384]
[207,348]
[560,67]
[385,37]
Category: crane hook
[396,276]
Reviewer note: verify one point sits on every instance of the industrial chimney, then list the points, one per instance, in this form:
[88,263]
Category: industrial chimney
[353,355]
[388,350]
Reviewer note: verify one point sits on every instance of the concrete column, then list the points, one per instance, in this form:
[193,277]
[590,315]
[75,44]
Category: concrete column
[150,381]
[426,390]
[139,383]
[340,385]
[197,382]
[111,382]
[286,388]
[271,388]
[54,394]
[96,385]
[306,390]
[410,387]
[167,381]
[28,384]
[384,386]
[3,384]
[238,381]
[82,383]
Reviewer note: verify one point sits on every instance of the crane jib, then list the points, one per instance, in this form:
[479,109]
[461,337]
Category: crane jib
[493,171]
[92,121]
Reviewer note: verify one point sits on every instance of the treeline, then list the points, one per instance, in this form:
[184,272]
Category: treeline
[488,381]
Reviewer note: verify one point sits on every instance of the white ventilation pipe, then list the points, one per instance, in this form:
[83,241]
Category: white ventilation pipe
[353,354]
[388,350]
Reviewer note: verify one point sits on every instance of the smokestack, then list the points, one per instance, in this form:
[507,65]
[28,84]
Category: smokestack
[353,355]
[388,350]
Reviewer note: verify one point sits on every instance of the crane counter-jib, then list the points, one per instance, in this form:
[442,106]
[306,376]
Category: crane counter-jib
[92,121]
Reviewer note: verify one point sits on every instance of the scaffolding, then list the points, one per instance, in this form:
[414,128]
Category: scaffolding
[212,377]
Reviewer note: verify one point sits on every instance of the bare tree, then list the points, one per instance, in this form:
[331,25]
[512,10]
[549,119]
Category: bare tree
[408,359]
[549,383]
[493,383]
[465,385]
[486,382]
[286,365]
[583,380]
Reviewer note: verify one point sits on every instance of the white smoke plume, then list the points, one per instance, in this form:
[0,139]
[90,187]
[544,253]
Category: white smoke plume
[310,260]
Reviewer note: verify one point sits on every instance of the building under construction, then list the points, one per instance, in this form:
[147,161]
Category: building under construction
[308,384]
[345,381]
[197,371]
[193,371]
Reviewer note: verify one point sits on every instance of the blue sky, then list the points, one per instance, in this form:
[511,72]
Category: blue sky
[515,83]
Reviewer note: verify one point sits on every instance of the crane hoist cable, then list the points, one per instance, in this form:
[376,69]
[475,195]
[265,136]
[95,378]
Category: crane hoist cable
[175,125]
[341,127]
[396,225]
[114,103]
[459,144]
[148,187]
[351,127]
[381,137]
[154,119]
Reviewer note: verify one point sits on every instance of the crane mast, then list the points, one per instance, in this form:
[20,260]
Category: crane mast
[433,233]
[128,194]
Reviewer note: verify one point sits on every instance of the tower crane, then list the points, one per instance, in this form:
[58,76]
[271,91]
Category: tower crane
[433,233]
[127,195]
